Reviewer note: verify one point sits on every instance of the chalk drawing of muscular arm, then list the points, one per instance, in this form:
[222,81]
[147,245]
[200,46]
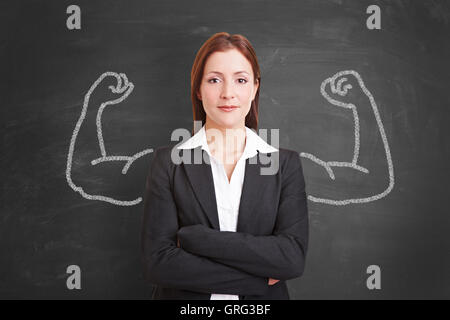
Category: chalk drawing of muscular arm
[123,89]
[334,90]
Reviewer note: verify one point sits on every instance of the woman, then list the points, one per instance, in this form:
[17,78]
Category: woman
[220,229]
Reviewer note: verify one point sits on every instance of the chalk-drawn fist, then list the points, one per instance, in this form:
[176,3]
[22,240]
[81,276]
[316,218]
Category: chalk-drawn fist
[344,88]
[122,88]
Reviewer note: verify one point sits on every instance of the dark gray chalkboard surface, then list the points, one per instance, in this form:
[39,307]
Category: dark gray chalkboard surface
[400,79]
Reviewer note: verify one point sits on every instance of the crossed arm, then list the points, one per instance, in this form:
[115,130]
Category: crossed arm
[227,262]
[280,255]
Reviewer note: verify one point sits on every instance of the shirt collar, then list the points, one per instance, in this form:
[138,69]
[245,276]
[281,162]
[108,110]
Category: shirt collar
[254,143]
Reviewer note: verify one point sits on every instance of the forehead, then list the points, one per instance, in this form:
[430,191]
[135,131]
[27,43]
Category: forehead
[230,61]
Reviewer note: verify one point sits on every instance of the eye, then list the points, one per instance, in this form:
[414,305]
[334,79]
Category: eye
[245,80]
[212,79]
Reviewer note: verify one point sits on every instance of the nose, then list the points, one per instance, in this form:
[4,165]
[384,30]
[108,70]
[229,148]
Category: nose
[227,91]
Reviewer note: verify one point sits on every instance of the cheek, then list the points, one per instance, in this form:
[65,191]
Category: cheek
[245,94]
[210,94]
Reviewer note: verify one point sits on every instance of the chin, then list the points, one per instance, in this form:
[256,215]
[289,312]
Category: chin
[224,120]
[229,123]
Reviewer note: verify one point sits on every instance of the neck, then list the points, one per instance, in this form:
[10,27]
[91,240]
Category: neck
[225,141]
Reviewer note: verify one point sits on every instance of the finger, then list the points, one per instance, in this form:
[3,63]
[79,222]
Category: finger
[328,90]
[336,89]
[343,86]
[272,281]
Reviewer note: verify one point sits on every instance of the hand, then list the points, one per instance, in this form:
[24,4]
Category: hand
[344,89]
[272,281]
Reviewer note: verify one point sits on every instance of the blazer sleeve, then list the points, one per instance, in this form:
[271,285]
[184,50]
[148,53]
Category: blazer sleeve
[166,264]
[281,255]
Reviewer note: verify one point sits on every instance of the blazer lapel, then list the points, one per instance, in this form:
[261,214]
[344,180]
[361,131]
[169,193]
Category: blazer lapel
[201,179]
[254,184]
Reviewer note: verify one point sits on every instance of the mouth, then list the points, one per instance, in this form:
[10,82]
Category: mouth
[228,108]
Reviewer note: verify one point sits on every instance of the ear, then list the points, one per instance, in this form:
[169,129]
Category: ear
[199,96]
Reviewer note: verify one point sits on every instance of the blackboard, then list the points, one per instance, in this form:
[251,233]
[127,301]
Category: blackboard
[46,225]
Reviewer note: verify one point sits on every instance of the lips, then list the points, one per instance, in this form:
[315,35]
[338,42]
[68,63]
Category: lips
[228,108]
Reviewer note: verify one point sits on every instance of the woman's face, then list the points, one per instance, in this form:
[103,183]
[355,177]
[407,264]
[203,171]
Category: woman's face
[228,80]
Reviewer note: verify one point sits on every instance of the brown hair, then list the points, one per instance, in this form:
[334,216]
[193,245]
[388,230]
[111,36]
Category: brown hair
[223,41]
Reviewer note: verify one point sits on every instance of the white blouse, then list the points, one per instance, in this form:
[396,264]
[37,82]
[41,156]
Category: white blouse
[228,193]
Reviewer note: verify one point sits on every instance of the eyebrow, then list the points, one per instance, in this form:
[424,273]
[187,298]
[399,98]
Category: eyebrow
[237,72]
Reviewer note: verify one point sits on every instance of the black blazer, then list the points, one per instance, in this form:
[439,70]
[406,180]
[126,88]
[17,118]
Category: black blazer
[270,242]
